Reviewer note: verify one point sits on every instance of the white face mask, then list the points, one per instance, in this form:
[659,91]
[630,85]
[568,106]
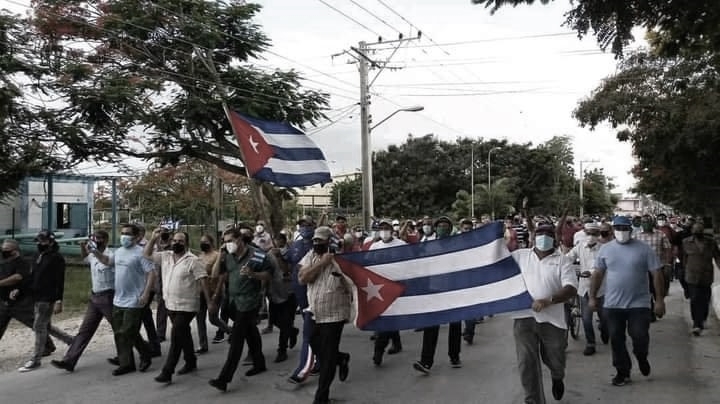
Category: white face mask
[231,247]
[592,240]
[358,234]
[544,243]
[396,227]
[126,241]
[661,223]
[259,228]
[427,230]
[622,237]
[385,235]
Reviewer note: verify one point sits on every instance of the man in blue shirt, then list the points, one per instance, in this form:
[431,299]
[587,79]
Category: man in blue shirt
[624,264]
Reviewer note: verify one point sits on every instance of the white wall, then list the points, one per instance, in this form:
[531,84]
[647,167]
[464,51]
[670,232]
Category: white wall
[63,192]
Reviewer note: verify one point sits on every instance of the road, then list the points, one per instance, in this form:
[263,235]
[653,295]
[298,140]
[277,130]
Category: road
[684,370]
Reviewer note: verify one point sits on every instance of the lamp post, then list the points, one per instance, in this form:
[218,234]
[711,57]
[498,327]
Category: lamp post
[582,183]
[490,197]
[367,183]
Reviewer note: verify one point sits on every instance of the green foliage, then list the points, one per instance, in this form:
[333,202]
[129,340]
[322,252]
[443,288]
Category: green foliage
[346,195]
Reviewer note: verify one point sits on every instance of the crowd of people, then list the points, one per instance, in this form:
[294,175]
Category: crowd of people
[619,267]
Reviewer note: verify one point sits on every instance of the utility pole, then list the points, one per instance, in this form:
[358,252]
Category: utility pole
[472,181]
[366,162]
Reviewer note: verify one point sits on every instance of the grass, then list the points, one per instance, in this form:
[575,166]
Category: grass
[77,290]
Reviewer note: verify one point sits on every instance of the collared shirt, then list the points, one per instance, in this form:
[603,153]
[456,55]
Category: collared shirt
[329,296]
[543,278]
[699,253]
[180,287]
[626,269]
[131,271]
[245,293]
[383,244]
[658,242]
[102,276]
[587,255]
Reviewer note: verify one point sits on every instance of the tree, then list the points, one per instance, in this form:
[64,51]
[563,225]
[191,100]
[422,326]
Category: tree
[152,84]
[347,195]
[677,26]
[596,193]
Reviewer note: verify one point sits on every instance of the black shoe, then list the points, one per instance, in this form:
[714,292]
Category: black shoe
[620,380]
[394,349]
[155,354]
[201,350]
[468,339]
[49,351]
[144,364]
[377,358]
[164,378]
[220,385]
[281,357]
[292,341]
[344,368]
[254,371]
[421,367]
[374,336]
[62,365]
[455,363]
[558,389]
[122,370]
[589,350]
[187,369]
[114,361]
[644,366]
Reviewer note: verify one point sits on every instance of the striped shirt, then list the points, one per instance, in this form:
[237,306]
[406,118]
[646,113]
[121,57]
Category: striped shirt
[329,296]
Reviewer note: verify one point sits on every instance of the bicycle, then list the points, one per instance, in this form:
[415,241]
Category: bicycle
[573,311]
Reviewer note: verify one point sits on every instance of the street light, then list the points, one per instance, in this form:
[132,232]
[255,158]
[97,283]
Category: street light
[490,197]
[367,183]
[582,183]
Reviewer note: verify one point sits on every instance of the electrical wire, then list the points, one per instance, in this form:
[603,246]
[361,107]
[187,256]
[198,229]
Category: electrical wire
[375,16]
[349,18]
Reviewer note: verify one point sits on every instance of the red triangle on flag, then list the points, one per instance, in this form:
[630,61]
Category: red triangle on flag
[255,149]
[375,292]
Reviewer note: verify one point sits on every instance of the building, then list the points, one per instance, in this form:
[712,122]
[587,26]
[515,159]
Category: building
[59,202]
[319,197]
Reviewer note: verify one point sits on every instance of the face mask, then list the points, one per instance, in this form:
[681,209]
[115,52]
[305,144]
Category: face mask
[204,247]
[592,240]
[178,248]
[7,254]
[544,243]
[42,247]
[358,234]
[320,248]
[442,232]
[396,227]
[661,223]
[231,247]
[647,227]
[259,229]
[386,235]
[622,237]
[126,241]
[427,229]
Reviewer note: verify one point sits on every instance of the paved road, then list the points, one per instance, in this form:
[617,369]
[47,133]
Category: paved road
[684,371]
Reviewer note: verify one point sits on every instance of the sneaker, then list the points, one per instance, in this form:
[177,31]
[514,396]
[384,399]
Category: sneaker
[620,380]
[589,350]
[468,339]
[219,337]
[455,363]
[294,380]
[696,331]
[558,389]
[644,366]
[29,366]
[421,367]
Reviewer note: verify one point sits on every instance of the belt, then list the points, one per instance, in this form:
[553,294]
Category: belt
[104,292]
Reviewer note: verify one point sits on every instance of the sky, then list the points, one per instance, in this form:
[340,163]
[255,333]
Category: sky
[516,75]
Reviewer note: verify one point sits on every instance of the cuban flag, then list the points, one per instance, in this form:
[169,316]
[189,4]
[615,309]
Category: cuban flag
[456,278]
[277,152]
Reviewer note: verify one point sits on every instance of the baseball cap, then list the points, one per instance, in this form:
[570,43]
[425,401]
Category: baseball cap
[322,233]
[385,221]
[45,235]
[621,221]
[591,226]
[306,219]
[444,219]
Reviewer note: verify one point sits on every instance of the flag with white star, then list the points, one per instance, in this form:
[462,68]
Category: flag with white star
[466,276]
[279,153]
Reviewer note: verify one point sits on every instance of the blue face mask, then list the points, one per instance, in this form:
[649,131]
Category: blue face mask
[126,241]
[544,243]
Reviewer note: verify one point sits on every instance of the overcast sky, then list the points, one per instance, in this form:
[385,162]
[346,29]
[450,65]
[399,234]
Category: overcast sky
[516,75]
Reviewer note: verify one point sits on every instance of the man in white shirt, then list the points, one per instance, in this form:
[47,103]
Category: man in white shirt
[383,338]
[541,334]
[586,252]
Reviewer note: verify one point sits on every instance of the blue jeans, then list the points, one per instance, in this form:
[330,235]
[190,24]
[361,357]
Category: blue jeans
[634,322]
[587,319]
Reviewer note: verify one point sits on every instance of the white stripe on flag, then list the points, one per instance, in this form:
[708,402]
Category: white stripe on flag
[457,298]
[288,141]
[297,167]
[445,263]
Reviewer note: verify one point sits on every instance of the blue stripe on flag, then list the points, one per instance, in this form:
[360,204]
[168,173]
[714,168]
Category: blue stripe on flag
[298,154]
[293,180]
[421,320]
[274,127]
[469,278]
[472,239]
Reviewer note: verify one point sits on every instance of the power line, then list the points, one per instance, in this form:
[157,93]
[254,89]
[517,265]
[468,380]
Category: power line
[498,39]
[376,17]
[349,18]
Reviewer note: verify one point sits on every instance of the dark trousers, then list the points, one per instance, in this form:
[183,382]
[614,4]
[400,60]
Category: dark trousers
[430,340]
[325,343]
[180,341]
[202,315]
[634,322]
[699,304]
[99,307]
[383,340]
[149,324]
[244,329]
[282,316]
[536,342]
[587,319]
[126,328]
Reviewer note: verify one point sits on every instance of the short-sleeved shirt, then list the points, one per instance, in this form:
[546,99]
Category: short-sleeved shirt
[699,254]
[587,255]
[382,244]
[131,270]
[180,288]
[102,276]
[20,266]
[626,269]
[245,293]
[329,296]
[543,278]
[658,242]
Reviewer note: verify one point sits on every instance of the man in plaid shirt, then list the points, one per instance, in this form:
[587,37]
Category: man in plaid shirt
[661,245]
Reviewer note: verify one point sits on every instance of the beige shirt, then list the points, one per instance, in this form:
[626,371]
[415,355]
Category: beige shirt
[180,286]
[329,296]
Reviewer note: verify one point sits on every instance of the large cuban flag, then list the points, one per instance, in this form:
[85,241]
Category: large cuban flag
[277,152]
[456,278]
